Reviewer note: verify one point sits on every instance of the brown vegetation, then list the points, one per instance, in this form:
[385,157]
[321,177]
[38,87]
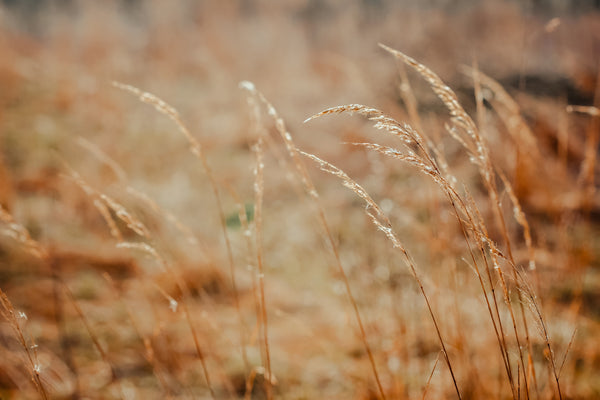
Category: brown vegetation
[188,245]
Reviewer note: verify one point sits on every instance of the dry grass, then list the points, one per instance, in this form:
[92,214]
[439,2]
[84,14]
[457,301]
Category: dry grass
[195,250]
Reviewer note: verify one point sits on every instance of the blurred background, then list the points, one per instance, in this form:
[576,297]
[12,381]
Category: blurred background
[59,113]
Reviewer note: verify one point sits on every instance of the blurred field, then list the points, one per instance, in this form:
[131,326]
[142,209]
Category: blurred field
[114,238]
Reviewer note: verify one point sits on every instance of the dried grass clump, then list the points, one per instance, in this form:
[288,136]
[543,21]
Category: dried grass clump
[422,155]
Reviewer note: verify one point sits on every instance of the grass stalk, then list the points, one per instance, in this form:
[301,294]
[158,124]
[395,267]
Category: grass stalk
[437,359]
[383,224]
[250,260]
[427,164]
[258,207]
[138,227]
[295,155]
[92,334]
[164,108]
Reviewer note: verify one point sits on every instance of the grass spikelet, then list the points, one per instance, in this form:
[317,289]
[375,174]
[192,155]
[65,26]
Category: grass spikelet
[115,232]
[120,211]
[121,175]
[147,249]
[419,151]
[164,108]
[448,97]
[402,131]
[350,109]
[410,159]
[160,105]
[285,136]
[349,183]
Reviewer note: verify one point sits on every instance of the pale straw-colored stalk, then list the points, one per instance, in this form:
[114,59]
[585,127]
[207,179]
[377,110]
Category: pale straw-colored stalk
[259,190]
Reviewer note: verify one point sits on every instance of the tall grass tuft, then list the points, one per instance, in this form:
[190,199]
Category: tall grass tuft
[421,154]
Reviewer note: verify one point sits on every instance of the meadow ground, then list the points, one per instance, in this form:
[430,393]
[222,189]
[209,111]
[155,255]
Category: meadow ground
[204,249]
